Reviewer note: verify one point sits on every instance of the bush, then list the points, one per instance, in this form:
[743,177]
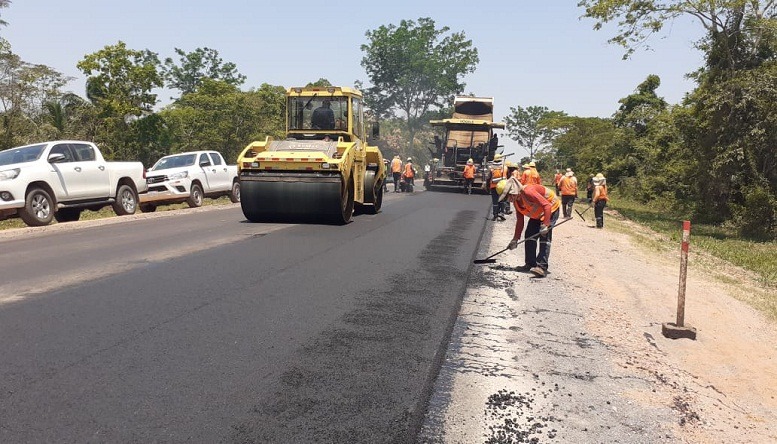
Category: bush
[756,218]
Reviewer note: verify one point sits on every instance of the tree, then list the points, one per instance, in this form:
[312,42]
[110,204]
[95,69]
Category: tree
[221,117]
[120,83]
[202,63]
[638,109]
[4,4]
[415,68]
[24,88]
[723,20]
[525,126]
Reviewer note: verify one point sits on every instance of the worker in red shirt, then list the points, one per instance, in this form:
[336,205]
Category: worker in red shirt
[541,206]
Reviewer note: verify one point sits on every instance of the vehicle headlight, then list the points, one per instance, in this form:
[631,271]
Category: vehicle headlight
[9,174]
[177,176]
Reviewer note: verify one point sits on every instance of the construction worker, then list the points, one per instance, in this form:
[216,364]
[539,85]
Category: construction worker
[495,175]
[385,182]
[540,205]
[409,174]
[511,170]
[600,198]
[469,175]
[396,171]
[557,181]
[568,187]
[534,175]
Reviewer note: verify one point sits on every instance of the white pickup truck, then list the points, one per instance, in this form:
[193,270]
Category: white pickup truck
[60,179]
[190,177]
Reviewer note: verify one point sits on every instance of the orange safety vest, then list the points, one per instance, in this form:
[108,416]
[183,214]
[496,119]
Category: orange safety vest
[568,186]
[558,178]
[600,193]
[469,171]
[532,208]
[534,177]
[524,177]
[409,170]
[396,166]
[496,174]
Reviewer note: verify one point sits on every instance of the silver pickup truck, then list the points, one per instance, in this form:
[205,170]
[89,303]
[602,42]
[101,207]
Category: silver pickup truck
[60,179]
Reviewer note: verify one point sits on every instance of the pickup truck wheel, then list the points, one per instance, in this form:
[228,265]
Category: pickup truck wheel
[68,215]
[38,208]
[147,208]
[195,197]
[234,195]
[126,201]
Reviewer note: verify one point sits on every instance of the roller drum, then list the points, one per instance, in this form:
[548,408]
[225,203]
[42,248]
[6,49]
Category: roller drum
[296,200]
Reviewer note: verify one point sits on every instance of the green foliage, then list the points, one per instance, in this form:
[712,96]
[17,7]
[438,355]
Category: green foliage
[532,127]
[755,219]
[415,68]
[218,116]
[202,63]
[120,80]
[24,88]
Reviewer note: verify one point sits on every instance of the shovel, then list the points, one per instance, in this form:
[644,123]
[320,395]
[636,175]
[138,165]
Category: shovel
[584,211]
[489,259]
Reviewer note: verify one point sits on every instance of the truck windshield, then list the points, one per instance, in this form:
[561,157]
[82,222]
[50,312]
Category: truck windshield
[318,113]
[183,160]
[21,155]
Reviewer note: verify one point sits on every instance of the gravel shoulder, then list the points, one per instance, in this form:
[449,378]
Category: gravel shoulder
[579,356]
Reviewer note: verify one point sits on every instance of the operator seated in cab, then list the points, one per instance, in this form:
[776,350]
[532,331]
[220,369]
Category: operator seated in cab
[323,117]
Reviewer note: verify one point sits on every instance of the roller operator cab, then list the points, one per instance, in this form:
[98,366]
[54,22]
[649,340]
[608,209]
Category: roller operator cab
[323,171]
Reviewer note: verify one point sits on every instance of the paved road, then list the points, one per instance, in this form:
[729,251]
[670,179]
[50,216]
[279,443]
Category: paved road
[199,326]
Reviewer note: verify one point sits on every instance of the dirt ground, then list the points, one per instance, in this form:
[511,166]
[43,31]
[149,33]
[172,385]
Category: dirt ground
[579,355]
[724,384]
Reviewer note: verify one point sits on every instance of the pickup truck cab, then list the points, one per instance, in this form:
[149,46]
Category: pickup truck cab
[60,179]
[190,177]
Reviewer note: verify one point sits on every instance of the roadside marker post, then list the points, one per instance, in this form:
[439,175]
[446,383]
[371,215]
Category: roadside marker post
[679,329]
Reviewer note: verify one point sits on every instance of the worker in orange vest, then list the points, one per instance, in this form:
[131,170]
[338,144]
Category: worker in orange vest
[495,175]
[534,175]
[568,186]
[557,181]
[600,198]
[409,174]
[469,175]
[540,205]
[396,171]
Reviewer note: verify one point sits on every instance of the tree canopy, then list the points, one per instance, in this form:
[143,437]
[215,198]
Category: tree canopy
[415,68]
[202,63]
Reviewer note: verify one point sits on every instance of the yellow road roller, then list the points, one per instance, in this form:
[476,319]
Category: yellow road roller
[323,171]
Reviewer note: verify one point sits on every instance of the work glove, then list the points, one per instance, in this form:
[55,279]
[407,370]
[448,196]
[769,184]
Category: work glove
[544,230]
[513,244]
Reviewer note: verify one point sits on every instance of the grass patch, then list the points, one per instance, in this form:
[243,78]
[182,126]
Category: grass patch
[108,212]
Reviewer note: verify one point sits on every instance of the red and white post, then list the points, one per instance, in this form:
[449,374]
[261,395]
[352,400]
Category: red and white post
[679,330]
[683,273]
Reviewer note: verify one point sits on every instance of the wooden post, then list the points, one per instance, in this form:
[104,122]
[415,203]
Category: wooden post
[679,329]
[683,274]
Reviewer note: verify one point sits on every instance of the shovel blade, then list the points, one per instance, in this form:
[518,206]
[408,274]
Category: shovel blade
[484,261]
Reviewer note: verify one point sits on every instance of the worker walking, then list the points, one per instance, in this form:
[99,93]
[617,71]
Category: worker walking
[469,176]
[589,188]
[557,181]
[495,175]
[541,206]
[568,187]
[396,172]
[600,198]
[409,175]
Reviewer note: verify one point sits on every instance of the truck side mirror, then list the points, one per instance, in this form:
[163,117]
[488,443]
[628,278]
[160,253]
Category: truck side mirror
[56,158]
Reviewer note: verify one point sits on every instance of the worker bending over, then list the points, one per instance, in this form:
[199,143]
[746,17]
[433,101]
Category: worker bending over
[541,206]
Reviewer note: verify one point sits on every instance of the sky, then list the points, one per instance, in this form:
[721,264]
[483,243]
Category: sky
[532,53]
